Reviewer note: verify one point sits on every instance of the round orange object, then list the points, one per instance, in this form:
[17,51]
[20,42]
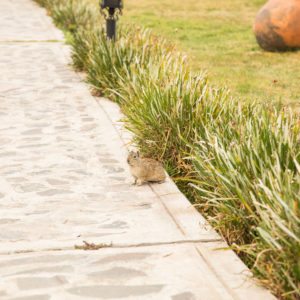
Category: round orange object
[277,25]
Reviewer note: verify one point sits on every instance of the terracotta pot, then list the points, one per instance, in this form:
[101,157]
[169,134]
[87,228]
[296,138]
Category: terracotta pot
[277,25]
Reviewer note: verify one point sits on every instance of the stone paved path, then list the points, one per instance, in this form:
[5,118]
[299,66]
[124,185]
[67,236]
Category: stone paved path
[64,180]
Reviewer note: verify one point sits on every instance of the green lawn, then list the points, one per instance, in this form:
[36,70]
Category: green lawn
[217,35]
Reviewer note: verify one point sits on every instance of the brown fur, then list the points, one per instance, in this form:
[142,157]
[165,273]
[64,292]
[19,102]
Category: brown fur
[145,169]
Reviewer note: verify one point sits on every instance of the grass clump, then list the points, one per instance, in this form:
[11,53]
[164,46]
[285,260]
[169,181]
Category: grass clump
[71,15]
[238,162]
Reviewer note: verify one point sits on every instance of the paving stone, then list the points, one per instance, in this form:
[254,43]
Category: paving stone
[11,235]
[18,260]
[56,182]
[115,291]
[32,283]
[7,221]
[129,256]
[117,273]
[184,296]
[29,187]
[105,160]
[55,269]
[32,132]
[7,154]
[2,293]
[17,179]
[54,192]
[115,224]
[33,297]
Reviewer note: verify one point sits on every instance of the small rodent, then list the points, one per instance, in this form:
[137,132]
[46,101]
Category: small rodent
[145,169]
